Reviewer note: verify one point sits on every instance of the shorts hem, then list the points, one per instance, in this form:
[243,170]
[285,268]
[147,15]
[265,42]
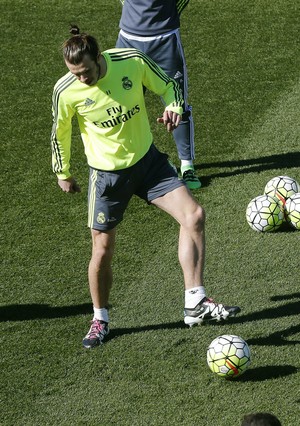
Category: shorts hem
[179,184]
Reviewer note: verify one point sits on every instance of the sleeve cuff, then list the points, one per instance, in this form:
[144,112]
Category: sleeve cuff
[63,176]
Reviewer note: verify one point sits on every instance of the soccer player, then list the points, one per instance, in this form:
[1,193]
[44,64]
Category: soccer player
[152,26]
[105,92]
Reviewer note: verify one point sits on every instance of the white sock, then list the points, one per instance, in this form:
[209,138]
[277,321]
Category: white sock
[101,314]
[193,296]
[186,162]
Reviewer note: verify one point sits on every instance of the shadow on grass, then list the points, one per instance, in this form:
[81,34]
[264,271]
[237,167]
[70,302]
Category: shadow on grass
[252,165]
[117,332]
[285,227]
[41,311]
[38,311]
[285,296]
[286,310]
[277,338]
[266,373]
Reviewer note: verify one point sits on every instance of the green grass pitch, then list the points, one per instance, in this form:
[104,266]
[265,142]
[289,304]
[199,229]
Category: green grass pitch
[243,63]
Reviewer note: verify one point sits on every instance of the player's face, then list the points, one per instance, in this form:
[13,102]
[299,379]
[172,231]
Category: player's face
[87,71]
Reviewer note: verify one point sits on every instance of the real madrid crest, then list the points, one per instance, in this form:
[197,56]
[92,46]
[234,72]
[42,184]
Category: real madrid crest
[127,84]
[101,217]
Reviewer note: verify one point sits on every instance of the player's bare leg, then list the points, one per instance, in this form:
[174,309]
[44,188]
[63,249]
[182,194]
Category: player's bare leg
[100,271]
[100,283]
[191,216]
[191,252]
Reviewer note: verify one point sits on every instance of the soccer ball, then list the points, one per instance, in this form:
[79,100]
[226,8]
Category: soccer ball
[264,213]
[228,356]
[282,187]
[292,210]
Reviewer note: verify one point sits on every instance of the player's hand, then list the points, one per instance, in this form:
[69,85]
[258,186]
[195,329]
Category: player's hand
[170,120]
[69,185]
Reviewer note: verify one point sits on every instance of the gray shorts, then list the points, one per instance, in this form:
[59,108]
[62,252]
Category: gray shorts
[110,191]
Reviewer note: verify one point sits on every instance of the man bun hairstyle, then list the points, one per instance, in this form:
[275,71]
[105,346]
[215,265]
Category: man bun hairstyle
[74,30]
[79,45]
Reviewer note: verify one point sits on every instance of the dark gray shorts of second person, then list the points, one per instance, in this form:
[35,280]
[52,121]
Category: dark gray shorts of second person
[110,191]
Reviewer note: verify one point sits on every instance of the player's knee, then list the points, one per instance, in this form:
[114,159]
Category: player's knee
[200,217]
[196,220]
[101,254]
[103,248]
